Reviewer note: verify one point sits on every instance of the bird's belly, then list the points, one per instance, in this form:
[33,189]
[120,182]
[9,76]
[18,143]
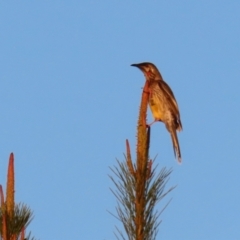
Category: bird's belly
[157,110]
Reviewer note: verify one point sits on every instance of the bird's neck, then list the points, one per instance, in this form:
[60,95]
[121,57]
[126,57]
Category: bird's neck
[152,80]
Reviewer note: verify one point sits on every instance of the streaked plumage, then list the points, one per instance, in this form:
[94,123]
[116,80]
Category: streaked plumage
[162,103]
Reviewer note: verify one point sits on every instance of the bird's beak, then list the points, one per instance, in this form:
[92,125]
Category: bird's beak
[137,65]
[134,65]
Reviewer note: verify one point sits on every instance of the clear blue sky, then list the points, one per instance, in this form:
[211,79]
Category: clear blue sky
[69,99]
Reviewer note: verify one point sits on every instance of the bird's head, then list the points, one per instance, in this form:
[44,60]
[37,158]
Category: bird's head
[149,70]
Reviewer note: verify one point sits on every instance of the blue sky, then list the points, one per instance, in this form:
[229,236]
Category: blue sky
[69,99]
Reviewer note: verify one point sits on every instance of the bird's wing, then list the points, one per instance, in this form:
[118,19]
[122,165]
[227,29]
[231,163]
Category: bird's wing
[171,99]
[169,95]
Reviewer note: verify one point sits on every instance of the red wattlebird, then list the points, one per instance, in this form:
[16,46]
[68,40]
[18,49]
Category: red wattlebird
[162,103]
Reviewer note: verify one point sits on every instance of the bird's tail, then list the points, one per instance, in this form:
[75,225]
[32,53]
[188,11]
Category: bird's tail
[176,147]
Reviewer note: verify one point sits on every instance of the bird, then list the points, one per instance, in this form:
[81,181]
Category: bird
[162,103]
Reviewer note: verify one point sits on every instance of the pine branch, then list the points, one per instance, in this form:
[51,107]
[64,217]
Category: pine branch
[138,187]
[14,218]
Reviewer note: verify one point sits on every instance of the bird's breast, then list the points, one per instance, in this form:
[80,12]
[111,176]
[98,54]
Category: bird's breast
[157,108]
